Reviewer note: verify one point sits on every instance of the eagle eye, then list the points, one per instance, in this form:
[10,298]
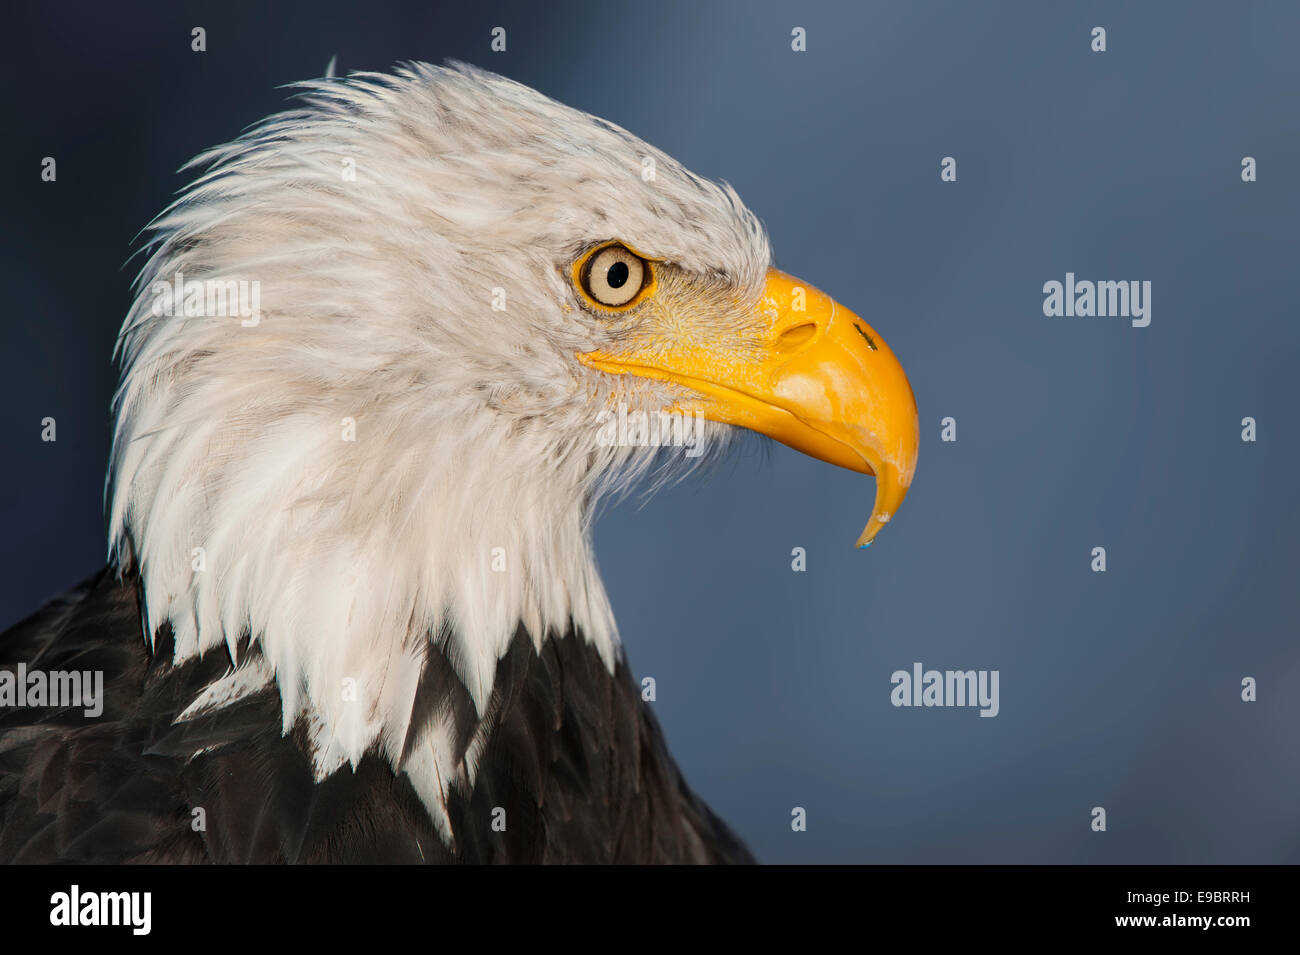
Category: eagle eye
[613,276]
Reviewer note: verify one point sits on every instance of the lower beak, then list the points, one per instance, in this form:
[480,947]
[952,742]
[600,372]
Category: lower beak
[819,380]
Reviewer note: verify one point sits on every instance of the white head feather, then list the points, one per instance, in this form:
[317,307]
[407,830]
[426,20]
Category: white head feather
[475,429]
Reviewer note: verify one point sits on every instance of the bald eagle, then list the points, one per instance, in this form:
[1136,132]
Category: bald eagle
[351,611]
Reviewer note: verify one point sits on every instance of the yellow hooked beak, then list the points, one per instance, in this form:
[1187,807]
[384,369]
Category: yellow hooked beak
[818,379]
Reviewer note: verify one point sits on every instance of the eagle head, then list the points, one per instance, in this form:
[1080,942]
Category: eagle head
[447,284]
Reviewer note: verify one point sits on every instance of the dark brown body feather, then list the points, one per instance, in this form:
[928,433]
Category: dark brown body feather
[574,757]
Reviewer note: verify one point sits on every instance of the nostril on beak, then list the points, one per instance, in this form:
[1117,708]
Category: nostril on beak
[793,337]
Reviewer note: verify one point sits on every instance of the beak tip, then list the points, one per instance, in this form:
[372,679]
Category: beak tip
[868,535]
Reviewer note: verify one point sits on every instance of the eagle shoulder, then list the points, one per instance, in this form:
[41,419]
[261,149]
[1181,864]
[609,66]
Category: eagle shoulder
[573,767]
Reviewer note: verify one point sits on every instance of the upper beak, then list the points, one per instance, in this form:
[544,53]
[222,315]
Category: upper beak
[818,379]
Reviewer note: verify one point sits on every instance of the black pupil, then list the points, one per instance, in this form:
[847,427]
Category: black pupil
[616,277]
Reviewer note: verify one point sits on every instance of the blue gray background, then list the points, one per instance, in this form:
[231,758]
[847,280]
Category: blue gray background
[1118,689]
